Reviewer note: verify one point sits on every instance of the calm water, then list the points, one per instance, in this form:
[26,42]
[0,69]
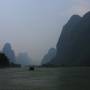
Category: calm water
[68,78]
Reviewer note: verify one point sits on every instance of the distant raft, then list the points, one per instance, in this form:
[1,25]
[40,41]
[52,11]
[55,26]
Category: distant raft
[31,68]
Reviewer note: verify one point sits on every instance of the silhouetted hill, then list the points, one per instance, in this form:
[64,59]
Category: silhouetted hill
[73,47]
[23,59]
[7,50]
[49,56]
[4,62]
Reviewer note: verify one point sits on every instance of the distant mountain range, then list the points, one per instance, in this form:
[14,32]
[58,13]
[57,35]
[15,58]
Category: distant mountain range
[73,47]
[9,52]
[49,56]
[23,59]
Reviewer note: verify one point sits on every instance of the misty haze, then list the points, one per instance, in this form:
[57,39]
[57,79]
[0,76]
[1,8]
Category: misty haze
[44,45]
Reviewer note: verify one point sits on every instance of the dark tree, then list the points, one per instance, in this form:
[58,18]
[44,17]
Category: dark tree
[4,62]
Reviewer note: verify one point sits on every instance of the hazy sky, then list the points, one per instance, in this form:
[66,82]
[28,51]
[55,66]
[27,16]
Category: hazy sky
[34,26]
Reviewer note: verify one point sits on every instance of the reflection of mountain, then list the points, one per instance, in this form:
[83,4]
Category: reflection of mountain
[49,56]
[73,47]
[23,59]
[7,50]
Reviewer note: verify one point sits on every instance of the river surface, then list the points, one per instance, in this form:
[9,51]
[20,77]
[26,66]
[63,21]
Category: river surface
[62,78]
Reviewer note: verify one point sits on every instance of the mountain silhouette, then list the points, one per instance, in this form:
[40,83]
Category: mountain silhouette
[49,56]
[8,51]
[73,47]
[23,59]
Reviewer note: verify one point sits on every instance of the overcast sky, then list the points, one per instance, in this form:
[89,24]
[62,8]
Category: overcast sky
[34,26]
